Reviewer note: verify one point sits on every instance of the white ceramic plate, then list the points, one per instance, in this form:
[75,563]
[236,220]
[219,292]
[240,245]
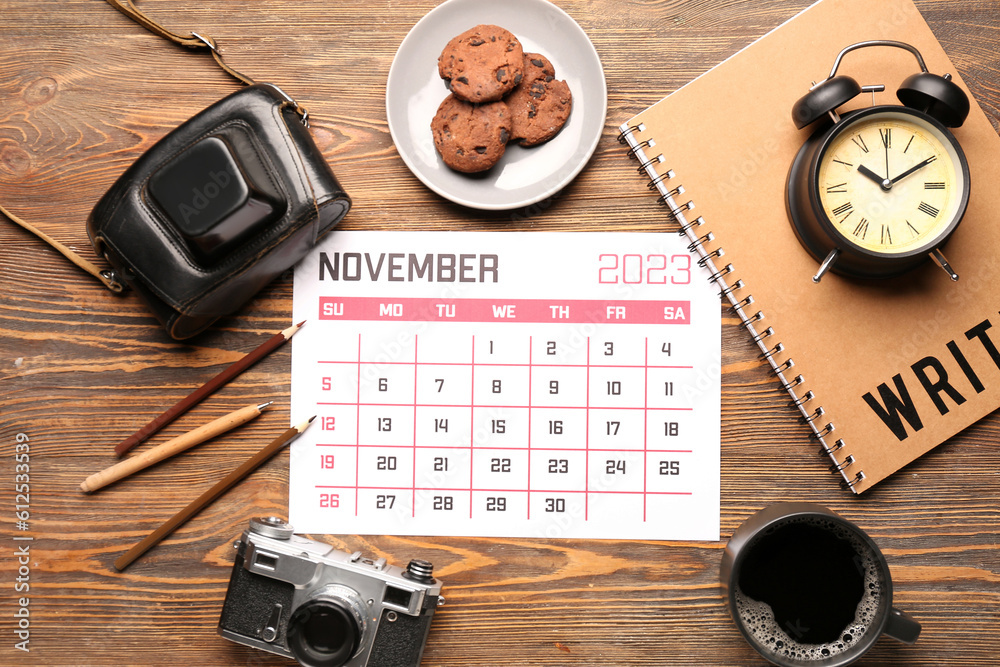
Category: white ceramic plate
[524,175]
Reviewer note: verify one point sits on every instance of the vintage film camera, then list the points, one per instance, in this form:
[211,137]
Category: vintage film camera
[323,607]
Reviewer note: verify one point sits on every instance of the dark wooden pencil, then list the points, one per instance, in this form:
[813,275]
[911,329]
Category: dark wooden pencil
[204,499]
[207,389]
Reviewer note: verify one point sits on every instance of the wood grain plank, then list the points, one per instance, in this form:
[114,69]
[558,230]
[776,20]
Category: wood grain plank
[83,92]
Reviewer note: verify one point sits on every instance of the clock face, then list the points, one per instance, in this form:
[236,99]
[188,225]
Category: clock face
[891,182]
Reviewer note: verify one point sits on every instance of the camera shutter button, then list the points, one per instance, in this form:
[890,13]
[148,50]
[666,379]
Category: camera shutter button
[420,570]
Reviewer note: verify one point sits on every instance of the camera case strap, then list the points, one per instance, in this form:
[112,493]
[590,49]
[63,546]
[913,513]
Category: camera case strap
[217,208]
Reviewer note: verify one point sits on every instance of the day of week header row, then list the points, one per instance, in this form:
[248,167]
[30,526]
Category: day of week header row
[570,311]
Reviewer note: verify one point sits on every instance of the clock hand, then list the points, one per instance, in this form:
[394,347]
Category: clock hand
[914,168]
[885,142]
[883,183]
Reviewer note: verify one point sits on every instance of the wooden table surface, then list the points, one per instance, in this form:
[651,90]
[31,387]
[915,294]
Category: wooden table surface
[84,91]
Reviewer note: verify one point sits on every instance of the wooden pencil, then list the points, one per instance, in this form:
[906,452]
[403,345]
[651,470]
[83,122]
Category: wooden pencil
[207,389]
[170,448]
[204,499]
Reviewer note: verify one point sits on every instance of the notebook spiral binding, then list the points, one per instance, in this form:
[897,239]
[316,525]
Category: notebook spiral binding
[732,289]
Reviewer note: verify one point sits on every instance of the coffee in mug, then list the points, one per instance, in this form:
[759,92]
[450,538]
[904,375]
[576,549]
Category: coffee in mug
[806,586]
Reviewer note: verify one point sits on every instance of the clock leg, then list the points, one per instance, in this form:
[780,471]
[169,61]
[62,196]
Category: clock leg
[939,257]
[828,262]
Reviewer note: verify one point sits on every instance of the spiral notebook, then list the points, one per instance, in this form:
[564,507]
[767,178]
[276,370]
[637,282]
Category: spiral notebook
[884,372]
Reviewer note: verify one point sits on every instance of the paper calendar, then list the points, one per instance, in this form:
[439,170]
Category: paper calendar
[556,385]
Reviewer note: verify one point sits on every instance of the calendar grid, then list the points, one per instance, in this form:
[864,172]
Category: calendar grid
[357,435]
[472,415]
[530,448]
[645,423]
[531,340]
[586,459]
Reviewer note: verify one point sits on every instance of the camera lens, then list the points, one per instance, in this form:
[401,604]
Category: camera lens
[325,631]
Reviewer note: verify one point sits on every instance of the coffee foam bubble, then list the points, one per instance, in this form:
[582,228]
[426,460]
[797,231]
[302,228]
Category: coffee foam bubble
[758,617]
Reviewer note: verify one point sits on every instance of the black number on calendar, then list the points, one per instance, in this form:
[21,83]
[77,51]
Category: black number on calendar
[550,347]
[614,388]
[668,388]
[499,465]
[326,461]
[386,463]
[609,349]
[612,427]
[559,466]
[615,467]
[665,349]
[498,425]
[385,423]
[440,383]
[440,425]
[555,427]
[497,386]
[496,504]
[491,347]
[440,464]
[383,384]
[553,386]
[444,503]
[329,500]
[555,504]
[385,502]
[670,467]
[670,428]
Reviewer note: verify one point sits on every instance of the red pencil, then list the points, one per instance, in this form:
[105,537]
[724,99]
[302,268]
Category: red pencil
[207,389]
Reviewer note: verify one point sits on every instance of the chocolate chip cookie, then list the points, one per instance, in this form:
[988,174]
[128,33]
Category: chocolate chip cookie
[539,105]
[482,64]
[471,137]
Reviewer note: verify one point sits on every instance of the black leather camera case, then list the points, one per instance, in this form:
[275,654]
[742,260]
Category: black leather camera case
[217,209]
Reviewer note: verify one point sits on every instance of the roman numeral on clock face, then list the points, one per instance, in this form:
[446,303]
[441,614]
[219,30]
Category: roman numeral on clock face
[886,236]
[862,228]
[934,186]
[860,142]
[842,209]
[928,209]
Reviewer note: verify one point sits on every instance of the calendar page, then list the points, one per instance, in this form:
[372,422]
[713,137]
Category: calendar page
[553,385]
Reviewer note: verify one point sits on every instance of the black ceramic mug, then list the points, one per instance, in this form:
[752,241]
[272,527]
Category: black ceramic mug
[807,587]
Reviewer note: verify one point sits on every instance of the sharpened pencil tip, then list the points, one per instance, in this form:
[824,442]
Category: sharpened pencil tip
[290,331]
[265,405]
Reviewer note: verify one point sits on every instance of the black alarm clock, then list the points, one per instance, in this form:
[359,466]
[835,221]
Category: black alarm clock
[876,192]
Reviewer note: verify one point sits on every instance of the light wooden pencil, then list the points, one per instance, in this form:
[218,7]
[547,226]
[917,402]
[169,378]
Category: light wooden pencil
[199,394]
[204,499]
[176,446]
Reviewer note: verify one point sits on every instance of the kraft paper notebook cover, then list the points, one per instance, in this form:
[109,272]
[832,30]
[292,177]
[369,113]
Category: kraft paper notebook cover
[718,151]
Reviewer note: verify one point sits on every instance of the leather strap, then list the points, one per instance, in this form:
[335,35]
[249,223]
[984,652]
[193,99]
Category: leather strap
[106,277]
[192,41]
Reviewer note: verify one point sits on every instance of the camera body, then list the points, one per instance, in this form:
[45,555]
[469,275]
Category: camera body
[305,600]
[217,209]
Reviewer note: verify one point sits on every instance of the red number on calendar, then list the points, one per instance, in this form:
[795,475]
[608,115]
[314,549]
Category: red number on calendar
[632,269]
[326,461]
[329,500]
